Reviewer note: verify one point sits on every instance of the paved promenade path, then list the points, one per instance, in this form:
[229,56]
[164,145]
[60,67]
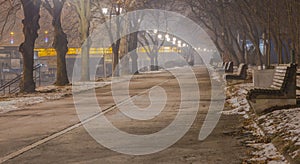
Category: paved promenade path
[51,132]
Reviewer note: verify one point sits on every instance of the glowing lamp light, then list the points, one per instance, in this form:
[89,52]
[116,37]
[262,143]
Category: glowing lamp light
[118,9]
[159,36]
[155,31]
[104,11]
[46,37]
[12,37]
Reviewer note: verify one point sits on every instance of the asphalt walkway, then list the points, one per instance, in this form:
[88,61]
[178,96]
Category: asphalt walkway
[51,132]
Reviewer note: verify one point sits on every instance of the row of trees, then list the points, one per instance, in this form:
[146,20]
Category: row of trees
[86,11]
[229,23]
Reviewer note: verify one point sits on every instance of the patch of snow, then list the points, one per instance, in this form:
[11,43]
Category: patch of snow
[18,103]
[238,104]
[46,93]
[286,123]
[267,153]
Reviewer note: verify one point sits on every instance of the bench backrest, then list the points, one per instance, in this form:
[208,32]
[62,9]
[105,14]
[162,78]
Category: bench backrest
[242,70]
[280,76]
[225,65]
[285,78]
[229,68]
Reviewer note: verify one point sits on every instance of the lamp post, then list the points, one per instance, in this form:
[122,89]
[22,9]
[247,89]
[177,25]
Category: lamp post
[105,13]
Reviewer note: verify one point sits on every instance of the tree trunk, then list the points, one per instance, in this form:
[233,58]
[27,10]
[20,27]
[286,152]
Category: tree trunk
[233,55]
[85,58]
[61,49]
[60,44]
[84,12]
[31,26]
[85,61]
[134,62]
[125,65]
[152,68]
[156,68]
[125,69]
[115,66]
[132,46]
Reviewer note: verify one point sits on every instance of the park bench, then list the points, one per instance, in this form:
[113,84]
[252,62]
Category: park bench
[241,74]
[229,67]
[282,92]
[298,87]
[218,66]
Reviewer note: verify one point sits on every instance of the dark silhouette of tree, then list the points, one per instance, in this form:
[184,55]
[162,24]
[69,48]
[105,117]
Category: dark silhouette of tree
[60,42]
[31,9]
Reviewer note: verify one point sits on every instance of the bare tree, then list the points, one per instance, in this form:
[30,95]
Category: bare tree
[60,42]
[133,24]
[31,11]
[152,41]
[9,10]
[112,22]
[274,24]
[83,8]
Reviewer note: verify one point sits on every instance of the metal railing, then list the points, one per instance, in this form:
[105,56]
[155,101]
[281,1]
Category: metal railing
[10,86]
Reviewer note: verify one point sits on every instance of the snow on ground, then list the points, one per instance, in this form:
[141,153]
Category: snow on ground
[287,124]
[266,153]
[43,94]
[19,103]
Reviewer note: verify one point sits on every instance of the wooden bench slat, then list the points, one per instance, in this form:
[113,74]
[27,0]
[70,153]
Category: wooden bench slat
[277,84]
[280,71]
[279,74]
[275,87]
[281,67]
[279,81]
[279,78]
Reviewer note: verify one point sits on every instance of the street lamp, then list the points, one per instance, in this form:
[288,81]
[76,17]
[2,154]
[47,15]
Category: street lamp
[12,37]
[46,37]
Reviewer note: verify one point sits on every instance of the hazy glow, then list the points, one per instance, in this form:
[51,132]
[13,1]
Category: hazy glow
[104,10]
[159,36]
